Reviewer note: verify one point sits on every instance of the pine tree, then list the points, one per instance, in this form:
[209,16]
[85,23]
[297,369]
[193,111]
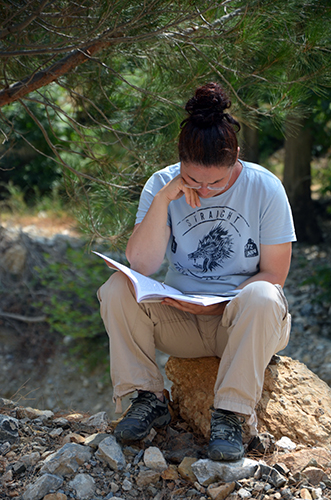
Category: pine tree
[117,74]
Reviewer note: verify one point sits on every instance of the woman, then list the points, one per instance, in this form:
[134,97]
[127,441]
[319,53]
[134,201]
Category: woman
[222,224]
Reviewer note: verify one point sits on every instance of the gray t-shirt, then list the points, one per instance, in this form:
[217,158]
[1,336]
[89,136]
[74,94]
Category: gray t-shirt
[215,247]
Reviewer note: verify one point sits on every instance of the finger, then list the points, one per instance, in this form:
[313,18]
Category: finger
[172,303]
[197,199]
[191,197]
[188,195]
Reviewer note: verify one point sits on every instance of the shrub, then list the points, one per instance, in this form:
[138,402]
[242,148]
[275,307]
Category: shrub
[69,301]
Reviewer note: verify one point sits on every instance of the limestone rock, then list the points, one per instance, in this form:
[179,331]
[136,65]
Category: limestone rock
[208,472]
[84,486]
[66,460]
[43,485]
[146,477]
[193,389]
[294,403]
[110,452]
[154,459]
[33,413]
[185,469]
[298,461]
[8,429]
[221,492]
[99,421]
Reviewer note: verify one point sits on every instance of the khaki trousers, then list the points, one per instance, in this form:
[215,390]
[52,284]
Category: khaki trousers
[255,325]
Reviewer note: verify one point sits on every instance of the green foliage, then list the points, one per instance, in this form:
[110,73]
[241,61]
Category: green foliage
[107,124]
[26,160]
[14,201]
[321,278]
[69,301]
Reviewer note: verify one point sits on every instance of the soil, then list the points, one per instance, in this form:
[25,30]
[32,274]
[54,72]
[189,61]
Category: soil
[45,224]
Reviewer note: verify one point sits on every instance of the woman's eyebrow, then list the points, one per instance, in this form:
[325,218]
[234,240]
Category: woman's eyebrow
[198,182]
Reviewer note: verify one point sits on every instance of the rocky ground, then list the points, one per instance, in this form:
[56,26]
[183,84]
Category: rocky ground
[64,456]
[61,455]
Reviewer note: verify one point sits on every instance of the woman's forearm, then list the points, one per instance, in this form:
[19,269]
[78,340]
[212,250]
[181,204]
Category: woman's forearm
[148,243]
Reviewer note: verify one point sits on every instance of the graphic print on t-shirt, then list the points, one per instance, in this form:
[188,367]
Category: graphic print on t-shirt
[213,249]
[208,241]
[251,249]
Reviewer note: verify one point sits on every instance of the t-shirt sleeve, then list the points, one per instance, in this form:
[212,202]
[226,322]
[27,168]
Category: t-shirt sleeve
[152,186]
[276,223]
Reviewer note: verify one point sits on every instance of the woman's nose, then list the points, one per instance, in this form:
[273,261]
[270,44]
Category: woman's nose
[204,190]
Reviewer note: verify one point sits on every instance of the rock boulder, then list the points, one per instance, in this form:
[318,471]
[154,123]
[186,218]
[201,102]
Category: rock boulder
[294,403]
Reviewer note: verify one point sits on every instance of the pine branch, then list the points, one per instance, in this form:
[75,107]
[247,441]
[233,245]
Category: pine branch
[49,75]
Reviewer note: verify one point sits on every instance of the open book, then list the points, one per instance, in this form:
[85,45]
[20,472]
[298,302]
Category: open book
[150,290]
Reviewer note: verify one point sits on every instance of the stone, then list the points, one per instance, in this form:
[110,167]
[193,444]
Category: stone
[114,487]
[57,432]
[315,475]
[73,437]
[154,459]
[222,491]
[170,474]
[6,403]
[95,439]
[285,443]
[272,476]
[33,413]
[8,429]
[297,461]
[244,493]
[110,452]
[305,495]
[55,496]
[185,469]
[5,448]
[43,485]
[127,485]
[281,467]
[146,477]
[99,421]
[61,422]
[207,471]
[19,468]
[84,486]
[7,476]
[317,493]
[66,460]
[280,411]
[264,443]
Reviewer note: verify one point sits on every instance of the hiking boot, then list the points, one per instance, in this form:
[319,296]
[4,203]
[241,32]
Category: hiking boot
[225,436]
[146,411]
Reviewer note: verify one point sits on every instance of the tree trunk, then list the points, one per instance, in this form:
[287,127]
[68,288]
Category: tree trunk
[250,143]
[297,179]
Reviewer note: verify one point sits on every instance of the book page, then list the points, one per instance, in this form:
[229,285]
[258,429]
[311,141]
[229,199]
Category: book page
[143,285]
[150,290]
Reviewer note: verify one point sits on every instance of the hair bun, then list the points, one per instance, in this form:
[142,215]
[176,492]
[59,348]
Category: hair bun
[207,106]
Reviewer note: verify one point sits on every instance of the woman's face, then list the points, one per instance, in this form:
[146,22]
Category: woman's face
[208,181]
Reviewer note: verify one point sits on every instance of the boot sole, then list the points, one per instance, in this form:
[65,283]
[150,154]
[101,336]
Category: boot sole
[128,435]
[219,456]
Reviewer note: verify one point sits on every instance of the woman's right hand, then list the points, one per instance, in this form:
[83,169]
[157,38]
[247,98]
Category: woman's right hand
[176,188]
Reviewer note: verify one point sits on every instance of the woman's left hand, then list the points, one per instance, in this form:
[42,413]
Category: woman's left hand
[213,310]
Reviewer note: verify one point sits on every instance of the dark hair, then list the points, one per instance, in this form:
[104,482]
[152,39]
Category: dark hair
[208,136]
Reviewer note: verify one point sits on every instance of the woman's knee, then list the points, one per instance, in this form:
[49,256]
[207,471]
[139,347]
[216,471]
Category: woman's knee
[263,295]
[114,289]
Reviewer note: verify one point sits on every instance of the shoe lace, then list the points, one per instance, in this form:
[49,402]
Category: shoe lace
[141,406]
[225,426]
